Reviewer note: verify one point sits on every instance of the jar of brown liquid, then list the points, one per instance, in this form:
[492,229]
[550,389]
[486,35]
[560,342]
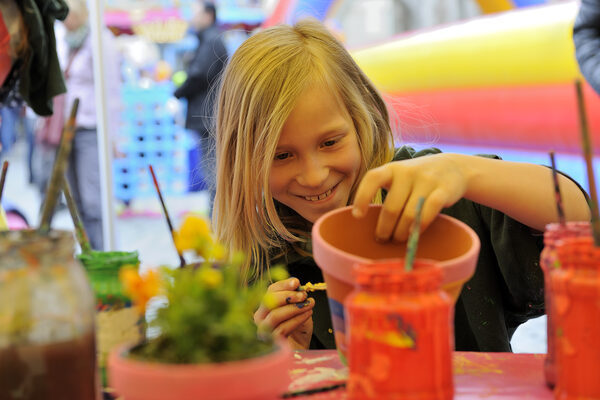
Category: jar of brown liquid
[47,342]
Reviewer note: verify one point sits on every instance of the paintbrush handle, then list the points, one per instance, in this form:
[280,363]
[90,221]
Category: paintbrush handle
[316,390]
[58,169]
[413,238]
[3,178]
[80,233]
[166,213]
[587,155]
[559,207]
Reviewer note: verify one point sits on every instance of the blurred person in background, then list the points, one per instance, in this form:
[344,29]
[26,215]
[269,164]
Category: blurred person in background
[586,36]
[76,55]
[9,116]
[204,68]
[16,119]
[29,74]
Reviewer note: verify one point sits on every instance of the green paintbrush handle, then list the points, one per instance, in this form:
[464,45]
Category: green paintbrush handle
[413,238]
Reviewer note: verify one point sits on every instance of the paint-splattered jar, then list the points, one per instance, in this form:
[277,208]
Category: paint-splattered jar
[117,322]
[553,233]
[576,307]
[47,337]
[400,333]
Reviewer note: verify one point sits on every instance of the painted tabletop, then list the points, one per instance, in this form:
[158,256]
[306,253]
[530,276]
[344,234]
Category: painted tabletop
[489,376]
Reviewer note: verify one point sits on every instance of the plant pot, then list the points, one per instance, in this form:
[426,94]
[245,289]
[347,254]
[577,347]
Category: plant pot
[341,241]
[261,378]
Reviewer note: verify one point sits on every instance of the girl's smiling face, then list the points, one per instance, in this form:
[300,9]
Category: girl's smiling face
[317,159]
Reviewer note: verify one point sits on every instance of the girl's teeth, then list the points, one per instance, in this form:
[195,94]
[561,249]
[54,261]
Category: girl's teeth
[319,197]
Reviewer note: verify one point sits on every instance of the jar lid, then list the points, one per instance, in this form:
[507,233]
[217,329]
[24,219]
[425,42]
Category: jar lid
[108,260]
[556,231]
[425,274]
[578,253]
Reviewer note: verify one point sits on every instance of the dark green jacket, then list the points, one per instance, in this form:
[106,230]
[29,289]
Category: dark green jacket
[41,77]
[506,289]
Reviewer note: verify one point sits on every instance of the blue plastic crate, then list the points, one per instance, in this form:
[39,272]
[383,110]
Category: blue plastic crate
[149,135]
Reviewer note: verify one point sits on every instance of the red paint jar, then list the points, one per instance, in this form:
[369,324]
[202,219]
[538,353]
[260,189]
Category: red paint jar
[576,307]
[553,233]
[400,333]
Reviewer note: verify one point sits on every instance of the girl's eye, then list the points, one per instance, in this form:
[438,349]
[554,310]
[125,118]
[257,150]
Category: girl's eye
[329,143]
[282,156]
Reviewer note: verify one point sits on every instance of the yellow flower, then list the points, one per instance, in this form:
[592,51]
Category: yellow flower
[279,273]
[269,300]
[217,252]
[139,288]
[211,277]
[193,234]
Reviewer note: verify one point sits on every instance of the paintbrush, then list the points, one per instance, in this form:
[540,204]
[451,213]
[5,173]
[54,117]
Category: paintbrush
[3,178]
[307,392]
[80,233]
[587,154]
[58,169]
[558,197]
[166,213]
[413,237]
[311,287]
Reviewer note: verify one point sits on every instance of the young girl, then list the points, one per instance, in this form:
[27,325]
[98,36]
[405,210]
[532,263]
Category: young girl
[302,131]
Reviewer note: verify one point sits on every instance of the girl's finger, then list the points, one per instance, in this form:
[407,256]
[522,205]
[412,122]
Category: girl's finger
[285,313]
[373,180]
[286,284]
[437,200]
[277,299]
[288,327]
[278,294]
[391,210]
[431,208]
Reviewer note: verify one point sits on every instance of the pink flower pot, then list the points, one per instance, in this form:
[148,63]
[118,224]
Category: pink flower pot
[260,378]
[341,241]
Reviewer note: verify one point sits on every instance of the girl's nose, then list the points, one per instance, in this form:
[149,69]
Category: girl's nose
[313,174]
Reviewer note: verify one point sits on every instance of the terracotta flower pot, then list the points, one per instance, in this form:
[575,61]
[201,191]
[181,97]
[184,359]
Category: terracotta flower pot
[261,378]
[341,241]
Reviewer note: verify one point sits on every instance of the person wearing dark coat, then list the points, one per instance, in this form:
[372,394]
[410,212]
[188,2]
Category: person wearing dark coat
[586,36]
[205,66]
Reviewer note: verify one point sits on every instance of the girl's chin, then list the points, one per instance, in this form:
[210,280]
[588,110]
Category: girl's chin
[313,215]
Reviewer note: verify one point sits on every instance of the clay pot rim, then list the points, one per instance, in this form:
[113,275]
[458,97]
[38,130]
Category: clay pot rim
[280,352]
[451,267]
[234,380]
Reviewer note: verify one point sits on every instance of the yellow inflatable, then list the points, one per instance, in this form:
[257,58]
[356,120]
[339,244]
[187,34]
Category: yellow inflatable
[503,79]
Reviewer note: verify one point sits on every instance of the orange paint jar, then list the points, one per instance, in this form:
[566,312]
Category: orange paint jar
[553,233]
[400,333]
[576,307]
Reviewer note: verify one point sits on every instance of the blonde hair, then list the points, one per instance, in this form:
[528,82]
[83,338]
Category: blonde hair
[259,89]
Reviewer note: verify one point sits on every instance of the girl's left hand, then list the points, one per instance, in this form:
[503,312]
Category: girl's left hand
[437,178]
[287,313]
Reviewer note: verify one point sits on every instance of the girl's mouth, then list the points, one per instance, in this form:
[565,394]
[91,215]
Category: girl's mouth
[321,196]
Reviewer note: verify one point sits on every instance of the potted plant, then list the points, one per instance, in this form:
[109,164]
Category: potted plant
[206,345]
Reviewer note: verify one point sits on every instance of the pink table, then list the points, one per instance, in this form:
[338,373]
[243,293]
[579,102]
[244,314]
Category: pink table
[489,376]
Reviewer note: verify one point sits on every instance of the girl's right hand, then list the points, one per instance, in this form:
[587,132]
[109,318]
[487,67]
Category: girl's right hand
[287,313]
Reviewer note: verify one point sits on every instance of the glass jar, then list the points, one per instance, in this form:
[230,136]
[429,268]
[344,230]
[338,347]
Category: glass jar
[117,322]
[47,340]
[552,235]
[400,333]
[576,307]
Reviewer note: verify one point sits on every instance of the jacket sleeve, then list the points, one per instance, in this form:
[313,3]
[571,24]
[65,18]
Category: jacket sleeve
[586,37]
[204,68]
[41,76]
